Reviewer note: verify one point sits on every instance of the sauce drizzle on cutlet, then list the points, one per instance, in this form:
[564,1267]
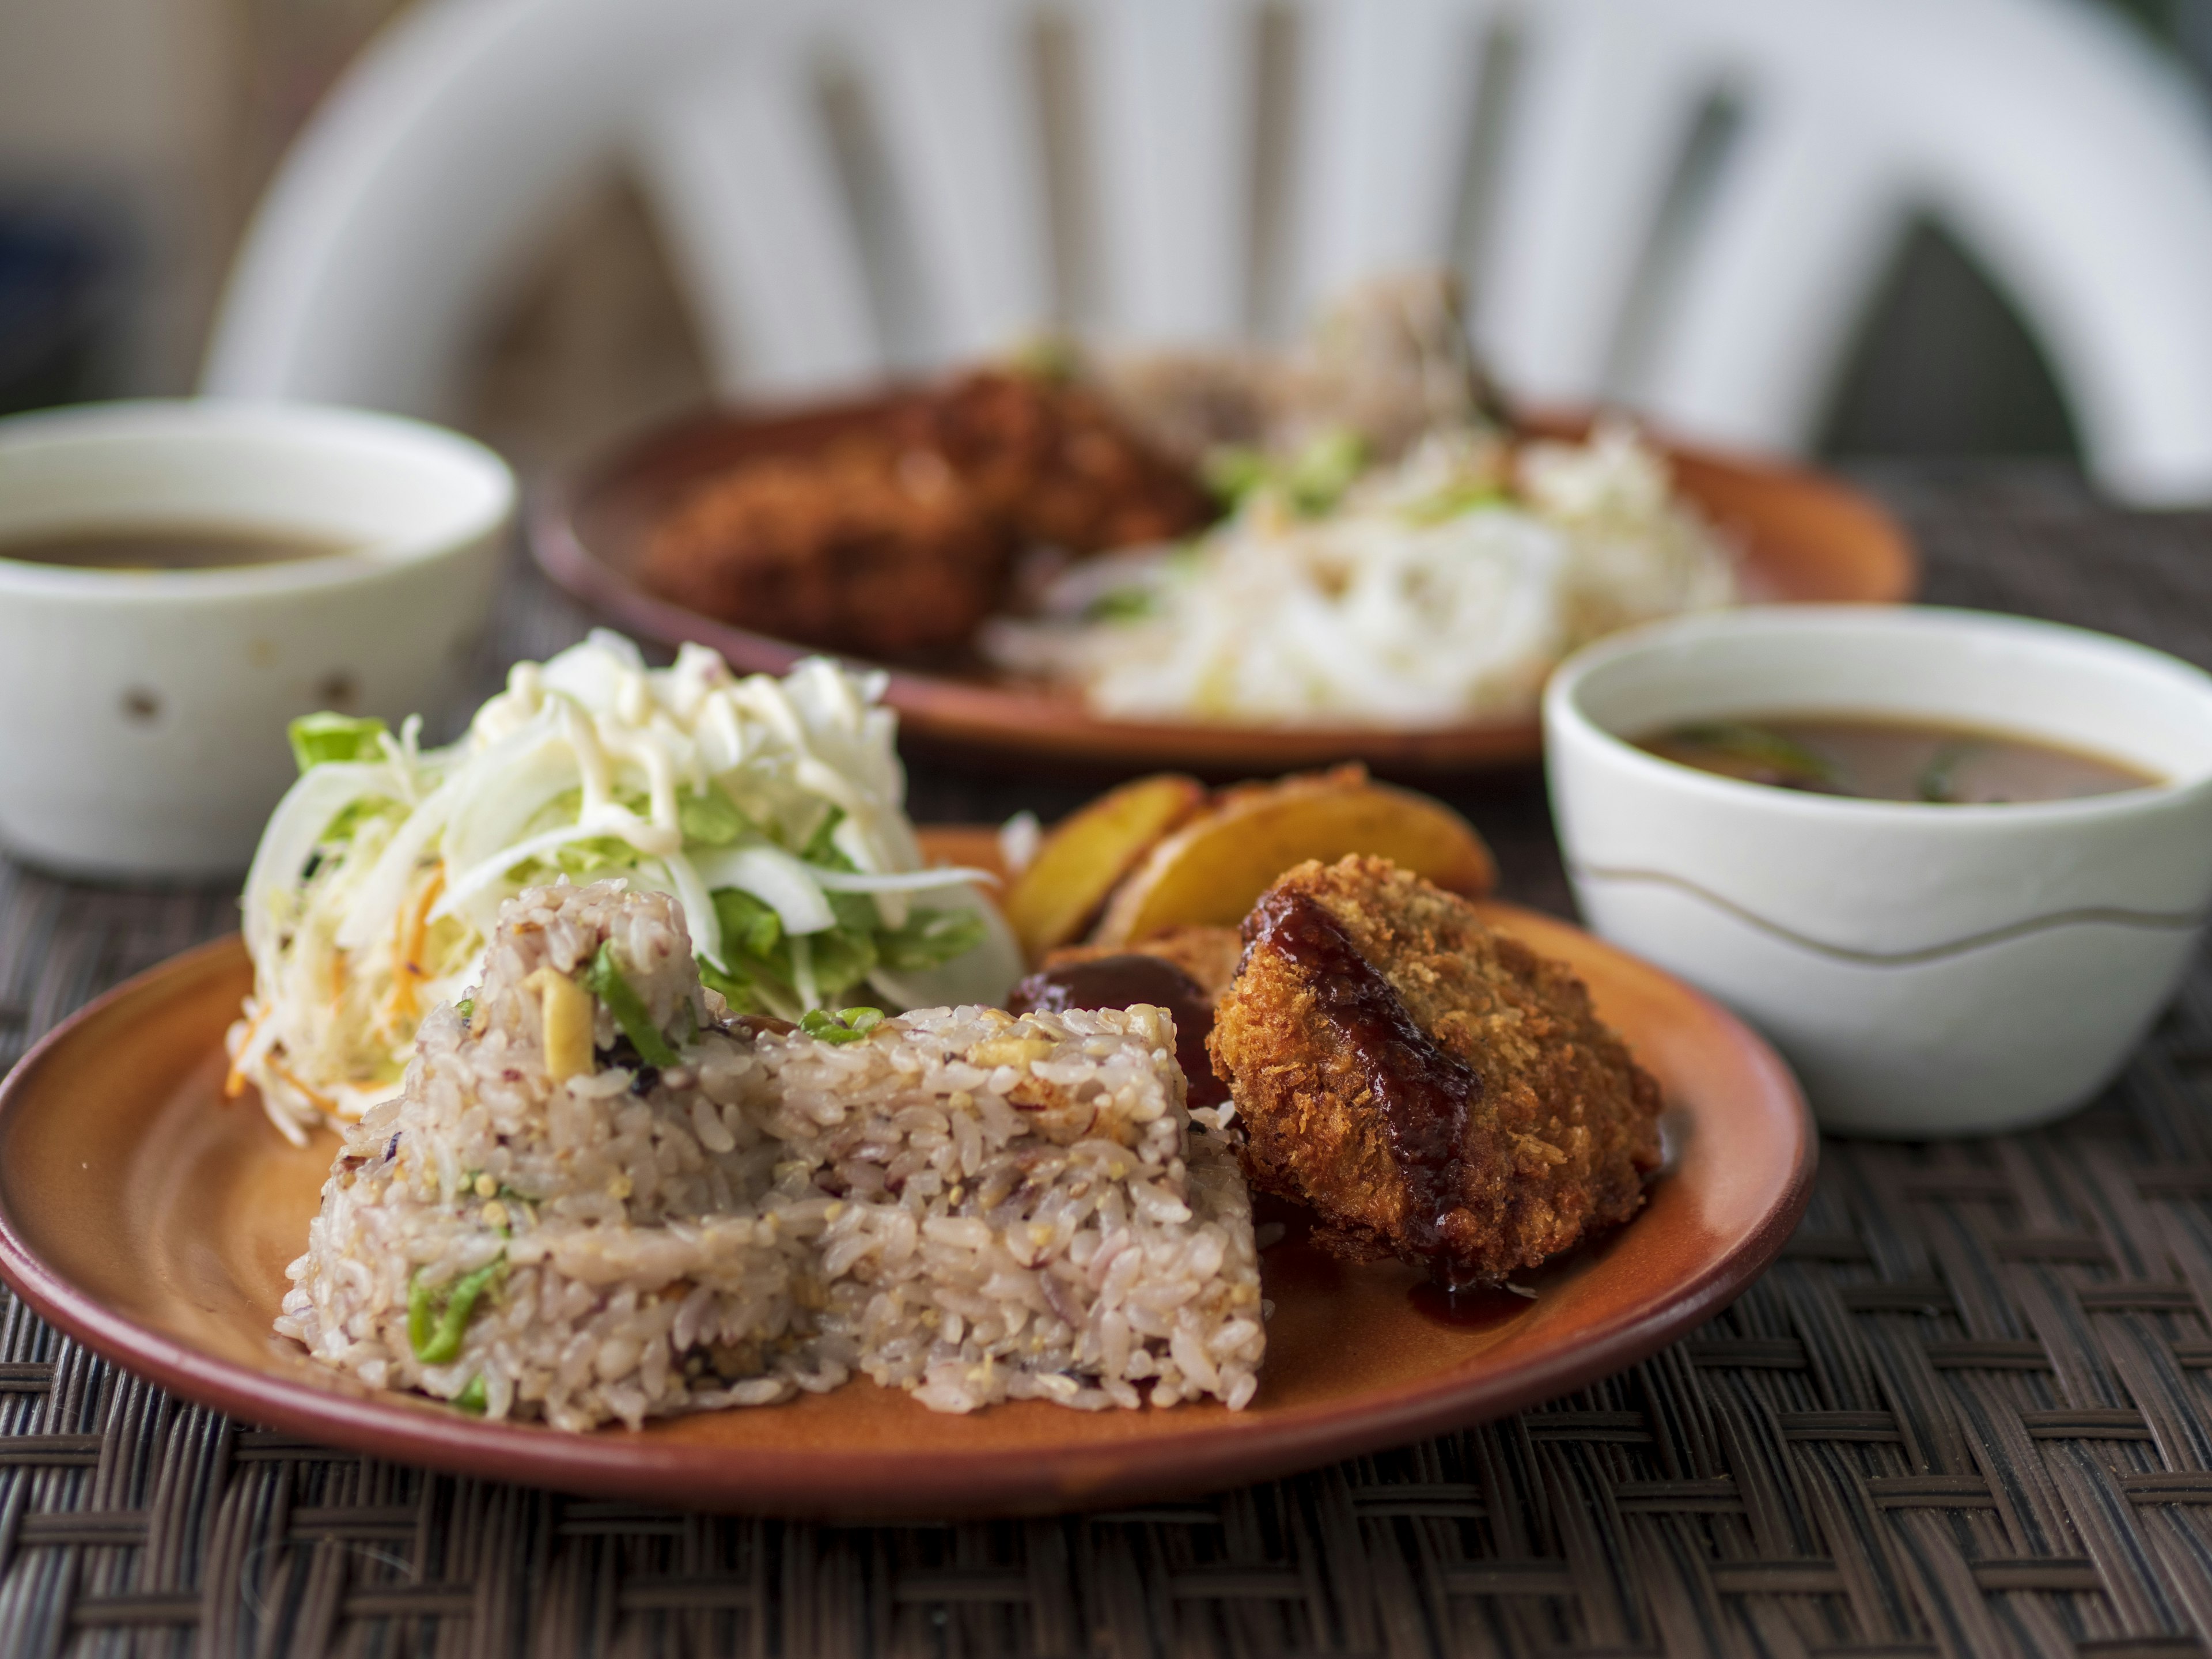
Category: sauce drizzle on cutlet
[1424,1093]
[1123,981]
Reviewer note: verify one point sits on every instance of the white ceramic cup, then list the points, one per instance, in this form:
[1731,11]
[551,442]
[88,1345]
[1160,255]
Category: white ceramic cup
[1929,970]
[142,713]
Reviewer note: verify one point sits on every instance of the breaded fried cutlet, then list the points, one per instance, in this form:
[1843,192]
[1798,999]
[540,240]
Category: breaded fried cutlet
[897,538]
[1429,1086]
[863,547]
[1056,462]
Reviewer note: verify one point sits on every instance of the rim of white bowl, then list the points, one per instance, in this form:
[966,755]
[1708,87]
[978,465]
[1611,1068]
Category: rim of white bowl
[490,493]
[1562,710]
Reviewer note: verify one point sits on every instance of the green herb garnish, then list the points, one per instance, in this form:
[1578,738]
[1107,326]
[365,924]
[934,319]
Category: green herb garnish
[471,1399]
[822,847]
[348,823]
[1448,504]
[605,981]
[317,739]
[711,818]
[466,1008]
[1052,358]
[1122,604]
[846,954]
[435,1324]
[1310,481]
[928,937]
[1764,750]
[757,974]
[1232,471]
[1938,779]
[748,924]
[1321,473]
[586,859]
[846,1025]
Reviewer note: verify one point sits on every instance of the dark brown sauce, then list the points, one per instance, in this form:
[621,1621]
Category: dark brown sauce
[1478,1308]
[1424,1093]
[171,547]
[1870,758]
[1123,981]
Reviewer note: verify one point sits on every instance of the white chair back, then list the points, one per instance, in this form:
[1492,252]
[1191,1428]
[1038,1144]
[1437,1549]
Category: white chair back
[1686,204]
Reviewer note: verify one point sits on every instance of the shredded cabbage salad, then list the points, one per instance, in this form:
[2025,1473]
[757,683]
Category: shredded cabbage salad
[1440,586]
[771,810]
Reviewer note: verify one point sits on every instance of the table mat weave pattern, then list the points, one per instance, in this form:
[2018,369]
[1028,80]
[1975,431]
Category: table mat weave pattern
[1969,1413]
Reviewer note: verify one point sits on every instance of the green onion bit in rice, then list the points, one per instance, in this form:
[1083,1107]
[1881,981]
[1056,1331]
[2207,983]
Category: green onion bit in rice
[846,1025]
[434,1324]
[605,981]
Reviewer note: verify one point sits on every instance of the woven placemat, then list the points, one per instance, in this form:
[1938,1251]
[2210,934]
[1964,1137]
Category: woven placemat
[1969,1413]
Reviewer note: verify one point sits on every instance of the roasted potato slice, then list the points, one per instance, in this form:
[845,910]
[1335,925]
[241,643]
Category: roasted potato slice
[1088,852]
[1214,868]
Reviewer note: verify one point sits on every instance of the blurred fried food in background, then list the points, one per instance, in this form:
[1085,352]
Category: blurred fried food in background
[897,538]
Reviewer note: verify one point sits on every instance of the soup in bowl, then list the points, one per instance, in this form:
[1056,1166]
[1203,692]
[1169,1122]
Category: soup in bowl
[1953,864]
[180,579]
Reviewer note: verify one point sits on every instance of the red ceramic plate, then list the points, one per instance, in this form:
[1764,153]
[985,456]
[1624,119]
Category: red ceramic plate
[1806,537]
[145,1216]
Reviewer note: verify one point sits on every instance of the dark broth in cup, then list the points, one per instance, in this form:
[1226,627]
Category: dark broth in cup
[1871,758]
[171,547]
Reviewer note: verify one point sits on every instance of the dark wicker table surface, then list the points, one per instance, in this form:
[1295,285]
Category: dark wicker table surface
[1970,1412]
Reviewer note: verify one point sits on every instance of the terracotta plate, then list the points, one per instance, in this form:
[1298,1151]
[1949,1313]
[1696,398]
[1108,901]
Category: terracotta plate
[1808,537]
[144,1215]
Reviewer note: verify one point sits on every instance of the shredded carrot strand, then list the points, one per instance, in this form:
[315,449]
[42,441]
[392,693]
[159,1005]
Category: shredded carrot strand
[321,1101]
[412,933]
[233,1080]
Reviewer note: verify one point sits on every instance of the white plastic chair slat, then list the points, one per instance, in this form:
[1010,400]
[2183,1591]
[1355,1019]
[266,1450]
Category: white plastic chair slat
[1763,301]
[955,88]
[1603,105]
[397,215]
[2070,202]
[739,169]
[2092,209]
[1385,114]
[1169,98]
[2042,132]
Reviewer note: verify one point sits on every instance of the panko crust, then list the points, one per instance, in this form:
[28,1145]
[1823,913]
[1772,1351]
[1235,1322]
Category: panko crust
[1562,1131]
[898,537]
[865,547]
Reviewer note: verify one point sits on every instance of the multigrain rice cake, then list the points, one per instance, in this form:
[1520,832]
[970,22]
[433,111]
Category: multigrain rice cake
[597,1198]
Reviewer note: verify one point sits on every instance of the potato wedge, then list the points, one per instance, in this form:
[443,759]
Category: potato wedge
[1088,852]
[1215,867]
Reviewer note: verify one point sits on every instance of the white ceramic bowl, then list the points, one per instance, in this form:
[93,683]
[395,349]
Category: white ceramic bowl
[142,714]
[1929,970]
